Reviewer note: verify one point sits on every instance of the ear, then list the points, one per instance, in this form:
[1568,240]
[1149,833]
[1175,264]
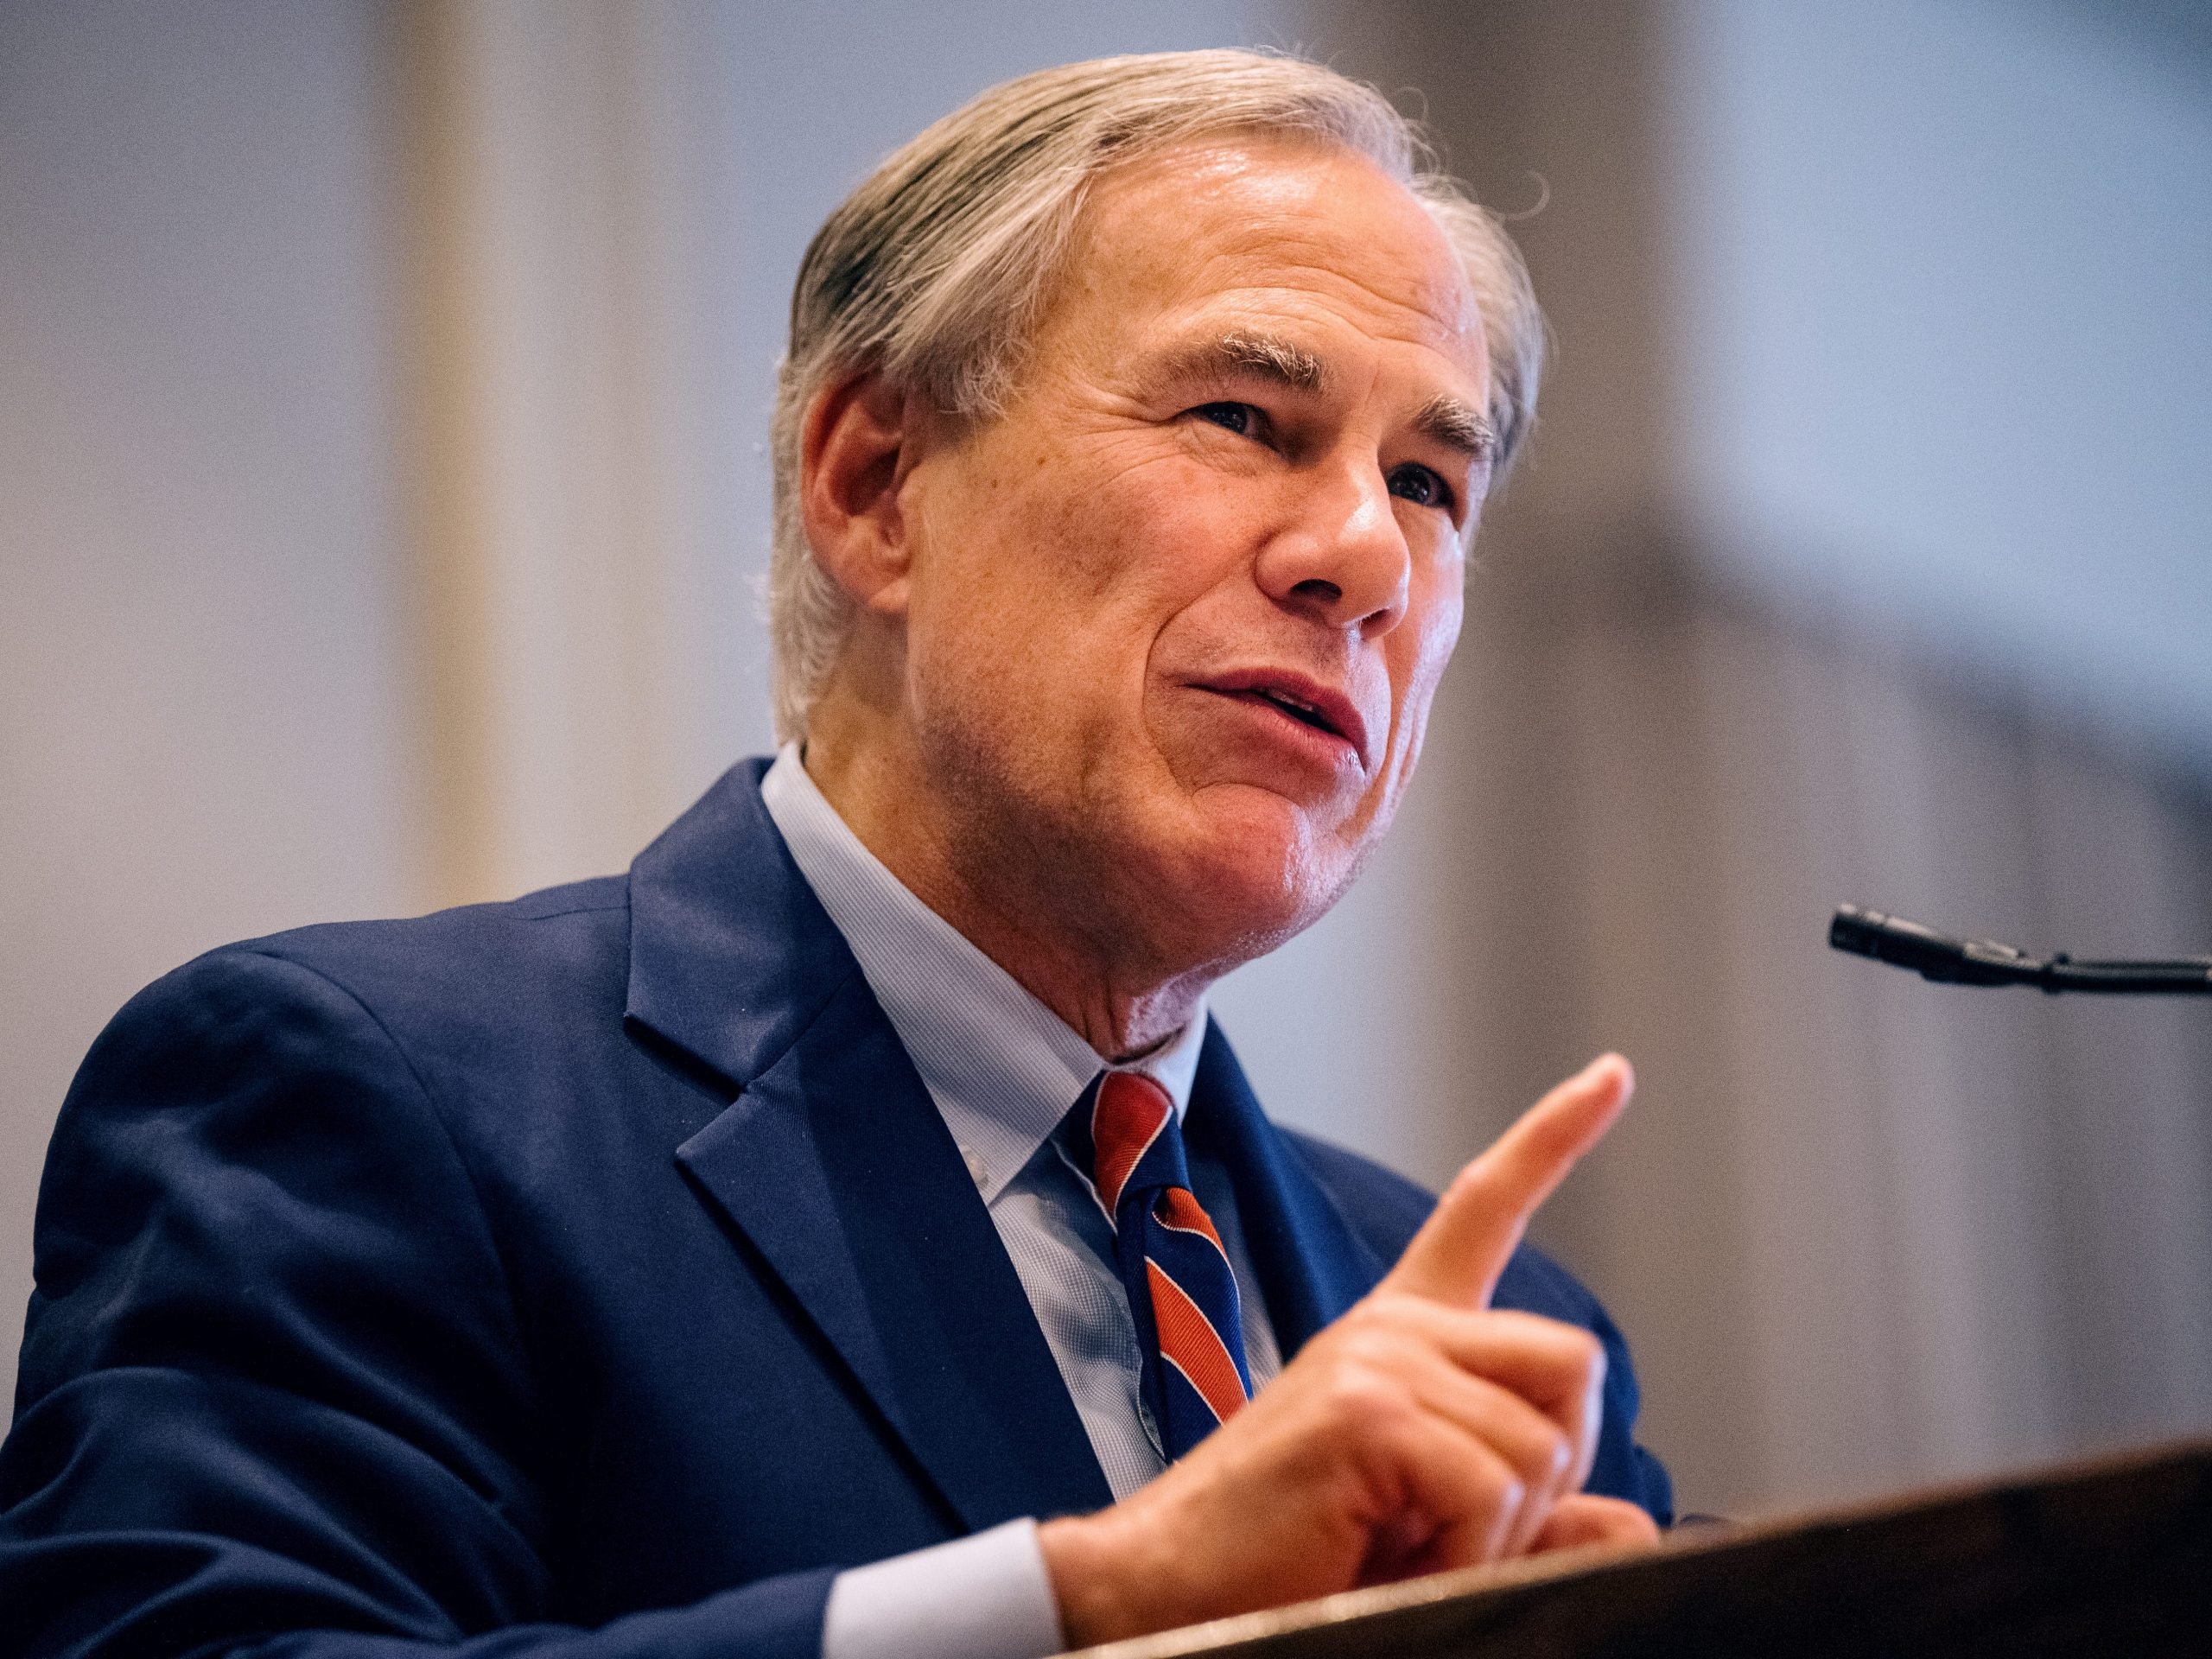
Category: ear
[860,438]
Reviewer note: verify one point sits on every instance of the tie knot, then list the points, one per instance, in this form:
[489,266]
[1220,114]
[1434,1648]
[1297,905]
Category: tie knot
[1136,1144]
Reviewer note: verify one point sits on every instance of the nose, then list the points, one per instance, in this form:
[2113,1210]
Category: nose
[1344,561]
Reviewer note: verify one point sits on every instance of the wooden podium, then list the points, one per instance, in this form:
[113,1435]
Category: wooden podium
[2107,1558]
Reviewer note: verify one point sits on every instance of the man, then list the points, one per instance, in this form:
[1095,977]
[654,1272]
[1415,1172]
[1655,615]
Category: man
[846,1233]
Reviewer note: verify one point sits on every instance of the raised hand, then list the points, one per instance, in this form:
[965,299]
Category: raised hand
[1422,1431]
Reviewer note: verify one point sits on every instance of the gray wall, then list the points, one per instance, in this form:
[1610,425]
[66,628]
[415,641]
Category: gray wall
[200,720]
[1942,273]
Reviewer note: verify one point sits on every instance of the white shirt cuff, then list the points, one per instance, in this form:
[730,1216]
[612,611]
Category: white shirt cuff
[983,1597]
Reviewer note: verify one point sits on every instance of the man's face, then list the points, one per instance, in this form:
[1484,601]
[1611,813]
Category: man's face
[1175,617]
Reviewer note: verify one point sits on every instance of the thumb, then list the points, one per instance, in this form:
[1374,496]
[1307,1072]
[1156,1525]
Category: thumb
[1465,1244]
[1582,1519]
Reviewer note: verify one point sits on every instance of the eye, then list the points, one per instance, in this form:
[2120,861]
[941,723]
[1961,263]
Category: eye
[1240,418]
[1420,486]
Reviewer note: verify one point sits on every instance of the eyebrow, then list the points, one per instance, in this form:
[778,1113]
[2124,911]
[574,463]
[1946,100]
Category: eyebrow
[1265,355]
[1457,425]
[1444,419]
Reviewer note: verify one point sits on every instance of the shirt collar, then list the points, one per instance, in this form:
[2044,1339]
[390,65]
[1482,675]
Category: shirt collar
[1002,1068]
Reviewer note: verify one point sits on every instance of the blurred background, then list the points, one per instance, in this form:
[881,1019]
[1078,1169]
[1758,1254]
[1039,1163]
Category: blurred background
[382,390]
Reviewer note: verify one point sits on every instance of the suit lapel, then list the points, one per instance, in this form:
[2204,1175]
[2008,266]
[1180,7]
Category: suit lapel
[1311,1265]
[834,1163]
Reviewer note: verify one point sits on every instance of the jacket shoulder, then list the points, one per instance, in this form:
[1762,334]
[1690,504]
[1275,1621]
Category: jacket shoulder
[519,971]
[552,924]
[1384,1208]
[1387,1210]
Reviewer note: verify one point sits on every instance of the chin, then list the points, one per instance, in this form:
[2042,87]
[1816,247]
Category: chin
[1252,871]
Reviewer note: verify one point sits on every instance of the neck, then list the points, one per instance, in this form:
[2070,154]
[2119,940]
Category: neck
[1094,977]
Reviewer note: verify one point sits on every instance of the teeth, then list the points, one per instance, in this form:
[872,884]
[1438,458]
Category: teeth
[1302,711]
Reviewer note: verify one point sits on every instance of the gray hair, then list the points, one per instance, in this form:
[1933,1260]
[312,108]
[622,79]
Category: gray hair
[935,270]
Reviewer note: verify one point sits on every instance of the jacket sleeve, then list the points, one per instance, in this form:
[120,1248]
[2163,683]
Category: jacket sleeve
[276,1395]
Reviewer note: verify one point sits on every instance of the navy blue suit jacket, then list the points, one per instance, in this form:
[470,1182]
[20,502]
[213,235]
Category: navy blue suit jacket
[594,1264]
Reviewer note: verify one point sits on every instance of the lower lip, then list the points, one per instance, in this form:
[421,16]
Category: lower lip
[1287,731]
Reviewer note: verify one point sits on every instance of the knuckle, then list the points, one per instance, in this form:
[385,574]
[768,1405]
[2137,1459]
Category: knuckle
[1540,1453]
[1361,1397]
[1503,1490]
[1379,1309]
[1357,1390]
[1581,1354]
[1371,1346]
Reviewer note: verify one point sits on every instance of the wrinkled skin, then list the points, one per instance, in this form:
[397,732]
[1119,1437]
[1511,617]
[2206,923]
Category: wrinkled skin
[1049,721]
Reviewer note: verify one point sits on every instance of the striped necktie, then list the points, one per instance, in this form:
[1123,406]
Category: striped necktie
[1181,1288]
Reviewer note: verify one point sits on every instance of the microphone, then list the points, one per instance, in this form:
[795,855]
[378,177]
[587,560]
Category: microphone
[1978,961]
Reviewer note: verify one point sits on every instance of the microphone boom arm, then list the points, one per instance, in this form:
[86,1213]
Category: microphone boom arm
[1978,961]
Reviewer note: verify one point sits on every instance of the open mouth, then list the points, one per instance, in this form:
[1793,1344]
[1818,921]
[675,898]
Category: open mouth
[1305,713]
[1317,707]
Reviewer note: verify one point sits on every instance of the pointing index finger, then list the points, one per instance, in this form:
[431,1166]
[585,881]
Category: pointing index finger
[1465,1244]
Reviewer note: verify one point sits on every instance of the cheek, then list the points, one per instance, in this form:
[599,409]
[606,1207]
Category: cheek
[1055,537]
[1423,651]
[1046,585]
[1029,629]
[1433,646]
[991,580]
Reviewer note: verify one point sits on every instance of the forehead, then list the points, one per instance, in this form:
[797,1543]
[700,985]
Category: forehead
[1266,230]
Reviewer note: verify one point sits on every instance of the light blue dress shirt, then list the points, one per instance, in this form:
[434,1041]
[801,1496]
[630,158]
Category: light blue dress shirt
[1004,1070]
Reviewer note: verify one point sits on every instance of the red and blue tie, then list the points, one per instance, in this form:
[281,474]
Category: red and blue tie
[1181,1288]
